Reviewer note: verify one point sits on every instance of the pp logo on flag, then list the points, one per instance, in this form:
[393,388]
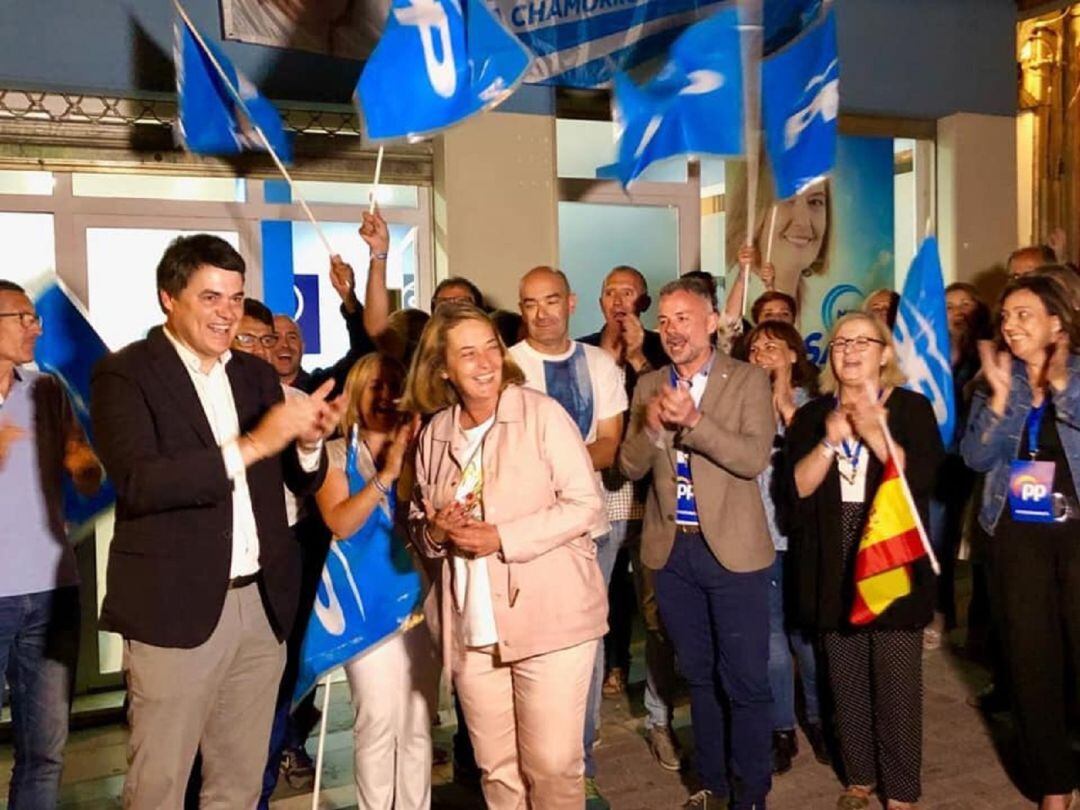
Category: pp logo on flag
[429,16]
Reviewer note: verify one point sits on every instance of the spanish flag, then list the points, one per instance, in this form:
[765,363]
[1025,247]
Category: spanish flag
[891,541]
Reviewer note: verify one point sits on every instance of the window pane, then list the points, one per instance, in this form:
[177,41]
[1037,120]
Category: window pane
[294,247]
[648,240]
[159,187]
[121,281]
[582,147]
[20,182]
[29,247]
[319,191]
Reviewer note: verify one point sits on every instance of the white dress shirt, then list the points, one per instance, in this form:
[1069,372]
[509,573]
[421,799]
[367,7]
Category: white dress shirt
[216,397]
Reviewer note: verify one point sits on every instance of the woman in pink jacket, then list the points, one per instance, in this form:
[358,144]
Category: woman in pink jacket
[505,493]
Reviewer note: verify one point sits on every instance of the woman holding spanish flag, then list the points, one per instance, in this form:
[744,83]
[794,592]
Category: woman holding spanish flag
[1024,434]
[840,448]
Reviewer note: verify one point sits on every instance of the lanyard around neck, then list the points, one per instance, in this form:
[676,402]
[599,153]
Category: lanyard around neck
[1034,427]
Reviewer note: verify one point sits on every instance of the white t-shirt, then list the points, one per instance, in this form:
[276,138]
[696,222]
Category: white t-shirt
[584,379]
[472,584]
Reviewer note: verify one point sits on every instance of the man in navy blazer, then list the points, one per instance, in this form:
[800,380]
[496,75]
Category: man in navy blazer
[203,571]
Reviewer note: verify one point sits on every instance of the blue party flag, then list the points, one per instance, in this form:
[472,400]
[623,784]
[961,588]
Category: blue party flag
[694,105]
[922,336]
[219,108]
[437,63]
[68,348]
[800,105]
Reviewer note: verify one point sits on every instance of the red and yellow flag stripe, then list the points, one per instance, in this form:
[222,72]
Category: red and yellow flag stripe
[890,541]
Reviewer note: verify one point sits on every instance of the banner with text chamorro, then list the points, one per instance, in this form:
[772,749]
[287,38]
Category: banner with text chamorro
[579,43]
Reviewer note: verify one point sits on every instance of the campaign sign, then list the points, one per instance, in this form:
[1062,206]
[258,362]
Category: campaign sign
[1031,490]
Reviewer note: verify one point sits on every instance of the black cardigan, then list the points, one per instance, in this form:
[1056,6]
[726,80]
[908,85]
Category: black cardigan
[820,589]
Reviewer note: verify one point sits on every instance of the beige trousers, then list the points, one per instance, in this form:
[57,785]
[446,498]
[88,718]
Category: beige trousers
[526,720]
[394,692]
[218,697]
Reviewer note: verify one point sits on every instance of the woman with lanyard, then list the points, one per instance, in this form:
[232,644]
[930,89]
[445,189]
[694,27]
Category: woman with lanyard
[778,348]
[839,446]
[1024,434]
[505,492]
[394,683]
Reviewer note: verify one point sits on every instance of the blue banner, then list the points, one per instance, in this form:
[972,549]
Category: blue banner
[693,106]
[306,290]
[922,337]
[370,589]
[69,348]
[800,105]
[438,62]
[218,114]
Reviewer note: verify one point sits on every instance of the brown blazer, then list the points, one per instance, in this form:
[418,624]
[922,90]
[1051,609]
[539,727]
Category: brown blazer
[729,447]
[540,491]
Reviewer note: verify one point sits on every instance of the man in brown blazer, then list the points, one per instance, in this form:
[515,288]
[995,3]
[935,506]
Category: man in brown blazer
[704,427]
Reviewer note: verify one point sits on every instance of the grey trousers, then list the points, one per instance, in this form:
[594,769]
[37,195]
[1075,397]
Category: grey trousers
[218,697]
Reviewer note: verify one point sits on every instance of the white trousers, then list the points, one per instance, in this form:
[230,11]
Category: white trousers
[394,692]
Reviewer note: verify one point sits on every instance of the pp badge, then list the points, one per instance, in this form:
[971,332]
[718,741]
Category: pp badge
[1031,487]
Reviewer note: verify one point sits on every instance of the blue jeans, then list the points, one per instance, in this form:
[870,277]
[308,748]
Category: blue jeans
[718,622]
[39,645]
[607,549]
[782,642]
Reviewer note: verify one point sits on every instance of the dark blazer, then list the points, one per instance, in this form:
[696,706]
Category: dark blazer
[171,550]
[728,448]
[822,587]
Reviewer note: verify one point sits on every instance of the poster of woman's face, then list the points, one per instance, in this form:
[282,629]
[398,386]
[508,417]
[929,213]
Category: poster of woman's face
[798,229]
[828,246]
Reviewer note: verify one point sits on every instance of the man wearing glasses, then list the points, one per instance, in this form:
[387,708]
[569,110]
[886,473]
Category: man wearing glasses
[40,443]
[256,334]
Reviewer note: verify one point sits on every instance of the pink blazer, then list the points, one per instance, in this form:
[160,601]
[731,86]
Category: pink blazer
[540,491]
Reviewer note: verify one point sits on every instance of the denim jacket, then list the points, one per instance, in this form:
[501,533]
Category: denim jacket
[992,442]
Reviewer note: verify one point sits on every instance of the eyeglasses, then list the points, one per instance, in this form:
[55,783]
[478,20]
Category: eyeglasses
[856,344]
[28,320]
[266,341]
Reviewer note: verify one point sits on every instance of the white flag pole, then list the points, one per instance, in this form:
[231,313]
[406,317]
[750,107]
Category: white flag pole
[255,126]
[752,45]
[772,235]
[321,749]
[375,183]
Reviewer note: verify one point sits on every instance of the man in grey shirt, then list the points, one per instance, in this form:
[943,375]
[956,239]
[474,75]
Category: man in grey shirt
[40,442]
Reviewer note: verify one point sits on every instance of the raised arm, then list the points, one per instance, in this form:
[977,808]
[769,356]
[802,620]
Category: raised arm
[375,232]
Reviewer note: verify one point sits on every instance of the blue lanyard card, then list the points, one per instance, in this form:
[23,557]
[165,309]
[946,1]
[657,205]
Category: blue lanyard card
[1031,491]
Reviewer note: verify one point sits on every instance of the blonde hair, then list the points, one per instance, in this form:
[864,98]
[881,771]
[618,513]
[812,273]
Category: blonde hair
[735,214]
[360,376]
[426,389]
[891,375]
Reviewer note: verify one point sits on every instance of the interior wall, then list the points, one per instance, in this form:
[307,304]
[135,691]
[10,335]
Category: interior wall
[496,201]
[977,198]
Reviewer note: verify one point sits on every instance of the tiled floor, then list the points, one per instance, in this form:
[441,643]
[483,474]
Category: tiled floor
[962,770]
